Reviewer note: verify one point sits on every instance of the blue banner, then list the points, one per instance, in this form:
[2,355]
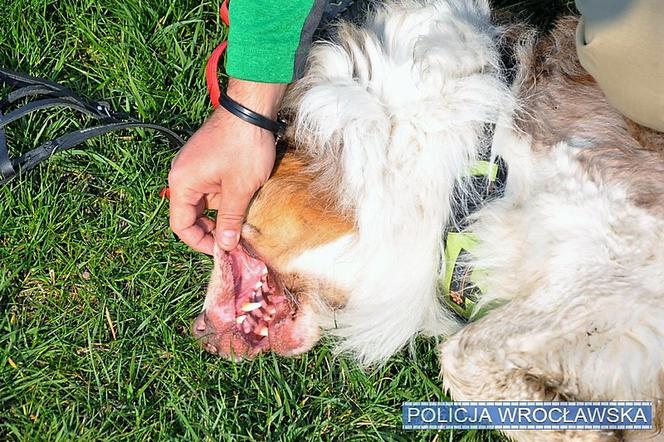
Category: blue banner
[527,415]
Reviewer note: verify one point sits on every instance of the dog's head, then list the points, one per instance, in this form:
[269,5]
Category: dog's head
[270,292]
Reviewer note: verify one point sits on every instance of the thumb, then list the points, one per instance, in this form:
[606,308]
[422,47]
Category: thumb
[230,217]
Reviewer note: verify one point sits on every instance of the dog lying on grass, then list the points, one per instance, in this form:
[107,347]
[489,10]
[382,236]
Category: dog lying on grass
[348,236]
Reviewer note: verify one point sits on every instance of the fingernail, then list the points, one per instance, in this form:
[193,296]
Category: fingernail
[229,238]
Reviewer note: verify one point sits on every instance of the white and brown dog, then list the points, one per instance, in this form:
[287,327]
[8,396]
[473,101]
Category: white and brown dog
[348,236]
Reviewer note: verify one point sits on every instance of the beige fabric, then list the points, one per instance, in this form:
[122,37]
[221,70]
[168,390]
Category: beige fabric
[621,44]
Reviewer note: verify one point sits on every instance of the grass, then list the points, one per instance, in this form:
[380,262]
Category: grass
[96,295]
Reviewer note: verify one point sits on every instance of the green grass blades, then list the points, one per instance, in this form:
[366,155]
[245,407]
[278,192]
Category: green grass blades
[96,295]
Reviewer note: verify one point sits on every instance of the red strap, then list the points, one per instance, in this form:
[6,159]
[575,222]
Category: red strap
[212,66]
[223,12]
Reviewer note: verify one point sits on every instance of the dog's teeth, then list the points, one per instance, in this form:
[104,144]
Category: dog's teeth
[250,306]
[264,331]
[267,318]
[240,319]
[264,272]
[258,285]
[272,310]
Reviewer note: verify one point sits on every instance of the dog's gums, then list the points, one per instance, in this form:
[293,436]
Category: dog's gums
[247,310]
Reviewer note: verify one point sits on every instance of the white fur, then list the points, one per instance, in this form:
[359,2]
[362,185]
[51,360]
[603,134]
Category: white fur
[334,261]
[393,112]
[579,270]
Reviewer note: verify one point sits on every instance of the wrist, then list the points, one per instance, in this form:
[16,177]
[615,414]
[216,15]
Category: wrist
[262,98]
[244,113]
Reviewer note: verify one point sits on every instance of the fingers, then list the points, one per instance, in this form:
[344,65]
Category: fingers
[206,243]
[230,216]
[188,222]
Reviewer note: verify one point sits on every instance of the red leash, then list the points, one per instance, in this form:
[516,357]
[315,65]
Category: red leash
[212,65]
[211,77]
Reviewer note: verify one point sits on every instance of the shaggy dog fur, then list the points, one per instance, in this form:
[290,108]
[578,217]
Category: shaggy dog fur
[387,120]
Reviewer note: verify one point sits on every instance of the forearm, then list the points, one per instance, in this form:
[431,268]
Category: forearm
[269,40]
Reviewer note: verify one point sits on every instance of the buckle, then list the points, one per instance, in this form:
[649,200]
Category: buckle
[104,107]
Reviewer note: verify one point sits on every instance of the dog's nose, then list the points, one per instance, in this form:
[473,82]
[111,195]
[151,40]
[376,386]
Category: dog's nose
[199,328]
[202,331]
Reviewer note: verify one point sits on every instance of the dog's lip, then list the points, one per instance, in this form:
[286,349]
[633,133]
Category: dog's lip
[254,311]
[259,311]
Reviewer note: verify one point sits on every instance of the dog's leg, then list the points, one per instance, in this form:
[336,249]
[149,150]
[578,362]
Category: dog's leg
[527,350]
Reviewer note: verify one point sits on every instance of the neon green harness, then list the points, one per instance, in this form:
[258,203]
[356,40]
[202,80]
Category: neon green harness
[460,284]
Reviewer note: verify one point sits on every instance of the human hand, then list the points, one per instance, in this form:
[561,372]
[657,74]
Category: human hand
[221,167]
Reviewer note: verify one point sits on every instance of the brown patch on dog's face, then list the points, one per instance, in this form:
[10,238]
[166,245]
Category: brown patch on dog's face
[255,302]
[288,217]
[331,295]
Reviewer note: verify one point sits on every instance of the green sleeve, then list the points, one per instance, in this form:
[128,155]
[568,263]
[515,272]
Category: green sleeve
[269,39]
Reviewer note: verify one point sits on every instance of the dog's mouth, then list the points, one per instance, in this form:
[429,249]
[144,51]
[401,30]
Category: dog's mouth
[247,310]
[259,297]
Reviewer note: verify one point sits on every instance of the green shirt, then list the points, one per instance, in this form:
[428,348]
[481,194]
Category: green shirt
[269,39]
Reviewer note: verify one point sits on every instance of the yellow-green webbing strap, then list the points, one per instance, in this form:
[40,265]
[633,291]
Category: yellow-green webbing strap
[462,301]
[458,301]
[484,168]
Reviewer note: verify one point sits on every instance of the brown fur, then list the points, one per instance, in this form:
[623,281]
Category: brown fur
[287,217]
[562,102]
[305,287]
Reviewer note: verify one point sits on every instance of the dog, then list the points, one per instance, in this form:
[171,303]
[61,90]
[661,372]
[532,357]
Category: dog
[350,235]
